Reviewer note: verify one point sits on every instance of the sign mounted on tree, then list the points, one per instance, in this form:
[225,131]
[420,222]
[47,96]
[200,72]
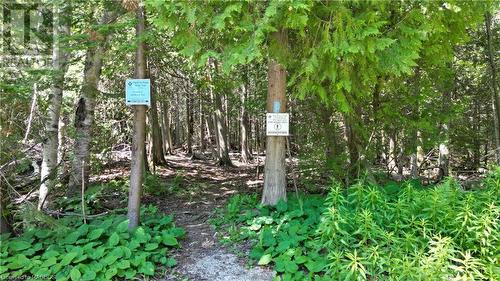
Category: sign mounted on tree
[138,92]
[277,124]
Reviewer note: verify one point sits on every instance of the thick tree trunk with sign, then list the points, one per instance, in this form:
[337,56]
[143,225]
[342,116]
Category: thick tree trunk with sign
[275,170]
[139,135]
[84,113]
[51,140]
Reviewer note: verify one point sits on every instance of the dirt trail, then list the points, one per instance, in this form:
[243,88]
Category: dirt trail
[203,188]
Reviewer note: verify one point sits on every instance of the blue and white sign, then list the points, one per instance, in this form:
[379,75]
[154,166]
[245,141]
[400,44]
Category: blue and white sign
[138,92]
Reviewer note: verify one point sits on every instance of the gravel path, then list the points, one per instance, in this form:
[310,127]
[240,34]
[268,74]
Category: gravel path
[202,257]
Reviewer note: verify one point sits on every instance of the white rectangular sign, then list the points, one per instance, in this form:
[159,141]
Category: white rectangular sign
[138,92]
[277,124]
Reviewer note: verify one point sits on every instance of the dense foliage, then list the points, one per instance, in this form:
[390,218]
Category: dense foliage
[374,90]
[370,232]
[103,249]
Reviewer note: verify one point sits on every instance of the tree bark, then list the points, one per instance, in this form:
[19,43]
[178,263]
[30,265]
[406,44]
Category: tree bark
[244,132]
[177,129]
[4,219]
[84,113]
[352,147]
[51,140]
[275,165]
[203,142]
[494,86]
[219,122]
[167,135]
[157,143]
[138,146]
[391,160]
[189,123]
[32,112]
[329,131]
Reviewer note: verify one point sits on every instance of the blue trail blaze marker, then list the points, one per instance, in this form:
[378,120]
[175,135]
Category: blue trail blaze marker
[138,92]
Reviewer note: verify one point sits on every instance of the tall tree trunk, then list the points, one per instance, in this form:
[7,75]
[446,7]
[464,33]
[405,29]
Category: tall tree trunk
[203,142]
[275,165]
[225,113]
[84,113]
[420,150]
[391,159]
[329,131]
[138,148]
[494,86]
[376,124]
[476,126]
[167,134]
[157,142]
[414,133]
[221,132]
[245,153]
[189,124]
[443,158]
[51,140]
[4,214]
[177,129]
[352,147]
[219,122]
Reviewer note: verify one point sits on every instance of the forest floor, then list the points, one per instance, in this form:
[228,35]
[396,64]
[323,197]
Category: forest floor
[203,187]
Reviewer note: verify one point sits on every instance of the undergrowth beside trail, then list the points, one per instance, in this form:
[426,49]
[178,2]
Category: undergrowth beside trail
[103,249]
[371,232]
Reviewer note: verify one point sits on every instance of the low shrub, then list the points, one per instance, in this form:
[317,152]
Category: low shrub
[103,249]
[369,232]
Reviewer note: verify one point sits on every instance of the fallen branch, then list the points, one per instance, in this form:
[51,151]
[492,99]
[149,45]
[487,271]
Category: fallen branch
[56,213]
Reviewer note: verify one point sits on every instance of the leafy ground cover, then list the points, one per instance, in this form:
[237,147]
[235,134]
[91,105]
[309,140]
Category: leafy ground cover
[371,232]
[103,249]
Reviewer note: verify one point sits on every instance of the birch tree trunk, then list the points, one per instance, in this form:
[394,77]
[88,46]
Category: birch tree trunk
[51,140]
[275,166]
[139,135]
[84,113]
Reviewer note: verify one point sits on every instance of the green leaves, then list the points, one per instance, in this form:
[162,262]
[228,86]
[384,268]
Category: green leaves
[101,249]
[169,239]
[75,274]
[68,258]
[187,42]
[96,233]
[147,268]
[402,230]
[17,246]
[113,240]
[265,259]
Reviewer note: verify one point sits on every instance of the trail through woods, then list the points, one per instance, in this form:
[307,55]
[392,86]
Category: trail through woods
[205,186]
